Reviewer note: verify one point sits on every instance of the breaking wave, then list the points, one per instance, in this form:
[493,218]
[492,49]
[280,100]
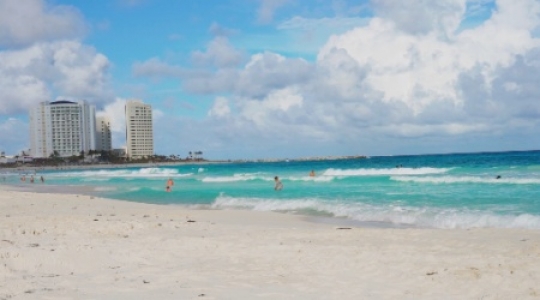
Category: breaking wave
[423,217]
[382,172]
[466,179]
[126,173]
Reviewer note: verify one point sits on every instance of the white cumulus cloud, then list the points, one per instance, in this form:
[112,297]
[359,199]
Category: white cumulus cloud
[46,70]
[412,78]
[23,23]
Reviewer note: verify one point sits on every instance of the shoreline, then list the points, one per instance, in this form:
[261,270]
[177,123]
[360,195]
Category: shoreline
[17,170]
[84,247]
[307,215]
[90,191]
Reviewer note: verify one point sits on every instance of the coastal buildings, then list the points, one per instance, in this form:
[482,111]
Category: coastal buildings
[139,129]
[68,128]
[103,134]
[62,128]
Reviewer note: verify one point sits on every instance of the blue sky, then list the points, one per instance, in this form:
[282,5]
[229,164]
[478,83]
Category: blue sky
[283,78]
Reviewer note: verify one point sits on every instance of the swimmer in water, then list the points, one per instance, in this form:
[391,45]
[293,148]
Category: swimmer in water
[279,185]
[169,185]
[312,173]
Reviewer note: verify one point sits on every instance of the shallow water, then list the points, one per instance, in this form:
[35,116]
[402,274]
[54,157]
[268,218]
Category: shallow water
[440,191]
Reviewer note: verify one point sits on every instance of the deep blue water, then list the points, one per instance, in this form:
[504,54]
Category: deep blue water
[441,191]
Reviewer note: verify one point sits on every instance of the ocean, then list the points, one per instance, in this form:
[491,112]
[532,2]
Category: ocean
[475,190]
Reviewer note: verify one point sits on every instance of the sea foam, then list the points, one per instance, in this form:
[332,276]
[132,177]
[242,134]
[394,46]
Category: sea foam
[467,179]
[125,173]
[424,217]
[385,171]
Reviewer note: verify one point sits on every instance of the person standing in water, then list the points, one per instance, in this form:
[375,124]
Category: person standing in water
[279,185]
[312,173]
[170,184]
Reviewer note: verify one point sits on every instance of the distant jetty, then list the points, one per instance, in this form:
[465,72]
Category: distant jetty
[313,158]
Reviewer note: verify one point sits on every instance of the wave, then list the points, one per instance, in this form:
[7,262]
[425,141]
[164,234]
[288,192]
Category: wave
[137,173]
[238,177]
[310,178]
[466,179]
[261,176]
[328,175]
[386,171]
[89,179]
[423,217]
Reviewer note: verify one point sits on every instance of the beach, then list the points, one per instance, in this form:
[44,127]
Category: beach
[62,246]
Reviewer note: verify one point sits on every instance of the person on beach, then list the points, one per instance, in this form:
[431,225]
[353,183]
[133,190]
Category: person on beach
[42,179]
[279,185]
[32,179]
[169,185]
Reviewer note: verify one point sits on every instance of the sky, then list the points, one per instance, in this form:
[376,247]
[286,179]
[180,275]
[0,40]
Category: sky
[246,79]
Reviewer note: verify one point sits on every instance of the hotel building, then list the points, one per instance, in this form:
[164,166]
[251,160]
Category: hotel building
[103,134]
[139,129]
[64,127]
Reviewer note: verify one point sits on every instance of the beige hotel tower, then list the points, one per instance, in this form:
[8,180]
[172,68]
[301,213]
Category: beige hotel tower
[139,129]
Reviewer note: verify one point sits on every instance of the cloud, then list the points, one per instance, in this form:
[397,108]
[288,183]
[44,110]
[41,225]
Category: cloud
[258,111]
[43,59]
[263,73]
[421,69]
[219,53]
[83,71]
[156,68]
[220,109]
[479,8]
[13,143]
[422,17]
[398,83]
[298,22]
[37,73]
[23,23]
[218,30]
[266,11]
[157,114]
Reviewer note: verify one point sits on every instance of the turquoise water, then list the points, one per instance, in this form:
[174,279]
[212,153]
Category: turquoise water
[440,191]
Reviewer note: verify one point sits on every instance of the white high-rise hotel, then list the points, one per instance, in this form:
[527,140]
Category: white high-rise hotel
[62,127]
[139,129]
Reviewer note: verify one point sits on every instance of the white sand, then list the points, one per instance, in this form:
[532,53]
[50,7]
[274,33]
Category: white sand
[78,247]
